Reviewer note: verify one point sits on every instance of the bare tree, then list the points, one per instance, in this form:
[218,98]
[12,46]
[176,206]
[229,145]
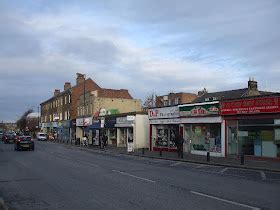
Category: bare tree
[21,122]
[150,101]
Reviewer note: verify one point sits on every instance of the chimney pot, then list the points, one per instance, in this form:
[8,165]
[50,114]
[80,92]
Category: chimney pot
[56,92]
[80,78]
[67,86]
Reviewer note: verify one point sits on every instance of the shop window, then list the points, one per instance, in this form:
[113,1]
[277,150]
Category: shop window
[206,137]
[165,136]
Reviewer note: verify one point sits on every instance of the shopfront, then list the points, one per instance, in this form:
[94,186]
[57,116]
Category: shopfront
[203,128]
[124,131]
[94,132]
[253,126]
[111,130]
[81,126]
[164,123]
[133,130]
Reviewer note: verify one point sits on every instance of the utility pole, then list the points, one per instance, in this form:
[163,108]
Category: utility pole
[84,109]
[39,118]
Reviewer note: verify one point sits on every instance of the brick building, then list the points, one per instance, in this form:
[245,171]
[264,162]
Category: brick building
[61,112]
[174,99]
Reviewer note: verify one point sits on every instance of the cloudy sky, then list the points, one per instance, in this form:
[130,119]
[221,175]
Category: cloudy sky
[142,45]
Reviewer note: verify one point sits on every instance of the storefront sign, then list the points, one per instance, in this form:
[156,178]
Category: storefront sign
[164,112]
[103,112]
[84,121]
[130,117]
[166,121]
[123,120]
[251,106]
[199,110]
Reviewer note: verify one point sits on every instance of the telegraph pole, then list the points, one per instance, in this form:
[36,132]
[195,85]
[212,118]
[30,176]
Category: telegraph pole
[84,109]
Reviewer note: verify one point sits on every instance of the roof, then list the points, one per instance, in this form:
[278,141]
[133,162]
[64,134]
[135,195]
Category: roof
[112,93]
[224,95]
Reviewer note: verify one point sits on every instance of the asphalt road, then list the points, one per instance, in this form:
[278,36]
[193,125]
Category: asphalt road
[56,176]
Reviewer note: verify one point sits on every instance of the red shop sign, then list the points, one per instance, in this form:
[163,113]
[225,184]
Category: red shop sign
[251,106]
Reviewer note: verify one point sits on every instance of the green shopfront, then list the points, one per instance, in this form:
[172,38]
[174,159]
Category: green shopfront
[203,128]
[253,126]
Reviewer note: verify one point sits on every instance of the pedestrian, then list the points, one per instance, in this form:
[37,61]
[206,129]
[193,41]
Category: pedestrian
[85,141]
[179,141]
[105,140]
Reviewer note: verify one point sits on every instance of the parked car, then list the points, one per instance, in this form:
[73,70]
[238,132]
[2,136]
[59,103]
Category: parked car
[41,136]
[9,137]
[24,142]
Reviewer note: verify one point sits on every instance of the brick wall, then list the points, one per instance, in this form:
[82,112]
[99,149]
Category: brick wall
[77,90]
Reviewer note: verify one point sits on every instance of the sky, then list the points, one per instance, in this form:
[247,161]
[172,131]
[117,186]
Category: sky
[145,46]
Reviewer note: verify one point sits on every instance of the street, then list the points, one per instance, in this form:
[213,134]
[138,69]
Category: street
[57,176]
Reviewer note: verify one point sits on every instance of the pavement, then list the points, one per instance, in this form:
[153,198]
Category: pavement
[262,164]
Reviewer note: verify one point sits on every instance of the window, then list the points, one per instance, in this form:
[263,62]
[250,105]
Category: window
[165,103]
[78,111]
[61,101]
[69,99]
[206,137]
[60,116]
[176,100]
[65,99]
[169,102]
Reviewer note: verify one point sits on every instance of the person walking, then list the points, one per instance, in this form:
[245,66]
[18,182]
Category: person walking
[179,141]
[105,140]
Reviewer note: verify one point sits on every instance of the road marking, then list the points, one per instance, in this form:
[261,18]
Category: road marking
[200,166]
[263,175]
[91,164]
[137,177]
[222,171]
[175,164]
[224,200]
[63,156]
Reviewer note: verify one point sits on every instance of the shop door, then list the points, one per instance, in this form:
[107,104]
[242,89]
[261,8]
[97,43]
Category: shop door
[187,137]
[232,140]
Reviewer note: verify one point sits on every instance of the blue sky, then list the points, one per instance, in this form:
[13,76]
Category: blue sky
[144,46]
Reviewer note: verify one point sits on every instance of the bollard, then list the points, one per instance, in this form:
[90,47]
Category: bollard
[242,158]
[143,151]
[160,153]
[208,156]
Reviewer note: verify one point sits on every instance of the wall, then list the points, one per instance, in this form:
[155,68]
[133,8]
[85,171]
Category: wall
[141,132]
[123,105]
[77,91]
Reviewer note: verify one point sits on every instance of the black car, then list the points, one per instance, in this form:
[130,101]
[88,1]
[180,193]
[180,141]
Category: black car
[24,142]
[9,137]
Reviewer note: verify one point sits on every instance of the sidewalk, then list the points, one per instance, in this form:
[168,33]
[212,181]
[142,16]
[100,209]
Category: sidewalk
[249,163]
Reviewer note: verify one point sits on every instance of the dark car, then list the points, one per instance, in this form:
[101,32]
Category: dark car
[9,137]
[24,142]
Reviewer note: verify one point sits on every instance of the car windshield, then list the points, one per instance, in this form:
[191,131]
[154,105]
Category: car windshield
[42,134]
[25,138]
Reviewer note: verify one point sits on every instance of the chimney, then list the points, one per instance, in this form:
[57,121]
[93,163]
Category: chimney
[252,84]
[67,86]
[56,92]
[80,78]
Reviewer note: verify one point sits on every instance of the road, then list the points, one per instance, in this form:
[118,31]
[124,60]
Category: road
[57,176]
